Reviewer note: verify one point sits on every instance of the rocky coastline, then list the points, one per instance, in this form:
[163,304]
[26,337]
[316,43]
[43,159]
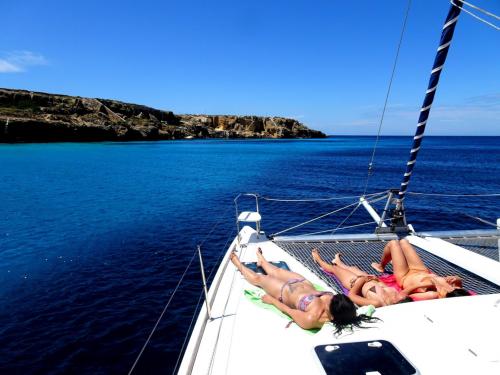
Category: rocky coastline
[27,116]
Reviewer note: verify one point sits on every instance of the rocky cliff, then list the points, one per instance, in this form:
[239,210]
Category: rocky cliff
[27,116]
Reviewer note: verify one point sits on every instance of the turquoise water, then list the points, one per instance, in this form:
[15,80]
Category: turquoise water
[94,236]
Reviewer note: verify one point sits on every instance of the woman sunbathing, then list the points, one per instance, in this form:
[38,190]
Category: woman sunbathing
[414,277]
[295,296]
[364,289]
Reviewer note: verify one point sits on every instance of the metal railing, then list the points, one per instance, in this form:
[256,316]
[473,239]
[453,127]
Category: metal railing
[257,224]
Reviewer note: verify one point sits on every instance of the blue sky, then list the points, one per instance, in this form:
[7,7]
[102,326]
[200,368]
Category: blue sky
[326,63]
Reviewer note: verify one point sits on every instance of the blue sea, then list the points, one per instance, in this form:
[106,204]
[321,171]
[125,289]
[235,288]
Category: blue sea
[95,236]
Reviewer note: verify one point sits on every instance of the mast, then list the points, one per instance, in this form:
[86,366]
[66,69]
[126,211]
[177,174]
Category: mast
[396,196]
[442,52]
[398,217]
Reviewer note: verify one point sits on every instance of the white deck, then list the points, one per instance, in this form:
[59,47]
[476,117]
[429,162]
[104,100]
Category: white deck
[448,336]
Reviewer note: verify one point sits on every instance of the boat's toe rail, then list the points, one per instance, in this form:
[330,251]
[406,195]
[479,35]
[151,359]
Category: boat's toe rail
[362,253]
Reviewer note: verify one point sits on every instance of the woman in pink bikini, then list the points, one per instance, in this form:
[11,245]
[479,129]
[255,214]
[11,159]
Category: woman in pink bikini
[364,289]
[295,296]
[414,277]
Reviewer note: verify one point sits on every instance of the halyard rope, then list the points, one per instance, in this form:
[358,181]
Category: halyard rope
[370,165]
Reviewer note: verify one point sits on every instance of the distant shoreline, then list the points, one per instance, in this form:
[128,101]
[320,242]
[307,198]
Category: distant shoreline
[28,116]
[427,136]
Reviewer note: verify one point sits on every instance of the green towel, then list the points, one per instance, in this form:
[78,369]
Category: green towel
[255,296]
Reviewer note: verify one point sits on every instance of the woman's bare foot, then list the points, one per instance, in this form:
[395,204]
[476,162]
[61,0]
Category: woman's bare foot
[315,255]
[260,257]
[378,267]
[336,260]
[236,261]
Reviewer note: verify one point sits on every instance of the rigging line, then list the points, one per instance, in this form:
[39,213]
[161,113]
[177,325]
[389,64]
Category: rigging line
[316,218]
[347,217]
[387,96]
[162,313]
[476,16]
[181,352]
[221,218]
[346,227]
[177,363]
[375,200]
[339,227]
[455,195]
[479,9]
[482,220]
[210,369]
[321,199]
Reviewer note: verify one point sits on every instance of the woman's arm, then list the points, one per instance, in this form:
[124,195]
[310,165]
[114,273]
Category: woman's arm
[304,320]
[362,301]
[424,296]
[454,280]
[356,296]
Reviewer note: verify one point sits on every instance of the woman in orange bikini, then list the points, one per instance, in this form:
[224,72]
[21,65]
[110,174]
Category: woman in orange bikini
[414,277]
[295,296]
[364,289]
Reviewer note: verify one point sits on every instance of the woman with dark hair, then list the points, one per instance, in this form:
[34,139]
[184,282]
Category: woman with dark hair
[414,277]
[364,289]
[292,294]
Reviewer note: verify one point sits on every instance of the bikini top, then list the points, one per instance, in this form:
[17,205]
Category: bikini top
[306,300]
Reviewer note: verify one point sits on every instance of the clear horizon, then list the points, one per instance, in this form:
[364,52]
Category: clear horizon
[327,65]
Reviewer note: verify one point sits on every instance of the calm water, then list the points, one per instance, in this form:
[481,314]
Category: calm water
[94,237]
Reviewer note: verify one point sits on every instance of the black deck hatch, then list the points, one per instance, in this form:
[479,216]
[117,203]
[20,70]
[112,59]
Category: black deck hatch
[378,357]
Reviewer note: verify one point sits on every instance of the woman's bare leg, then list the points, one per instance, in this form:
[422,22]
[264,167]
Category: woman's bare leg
[345,276]
[412,258]
[271,285]
[317,258]
[337,261]
[393,252]
[274,271]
